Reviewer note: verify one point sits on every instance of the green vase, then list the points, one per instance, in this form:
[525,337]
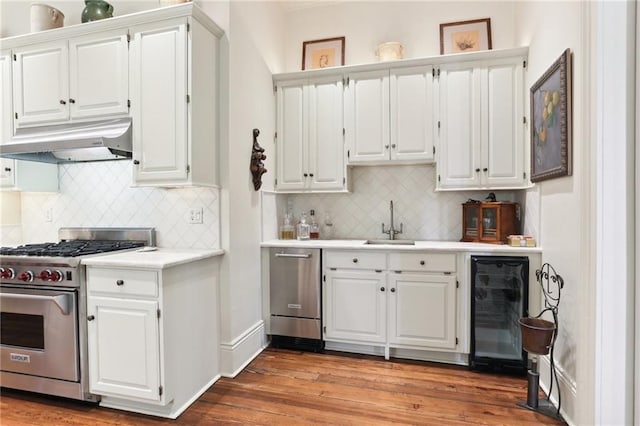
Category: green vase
[95,10]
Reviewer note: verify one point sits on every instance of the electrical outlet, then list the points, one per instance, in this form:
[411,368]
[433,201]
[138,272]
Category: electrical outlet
[195,215]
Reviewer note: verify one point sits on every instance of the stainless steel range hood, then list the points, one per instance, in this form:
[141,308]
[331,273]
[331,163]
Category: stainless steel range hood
[67,143]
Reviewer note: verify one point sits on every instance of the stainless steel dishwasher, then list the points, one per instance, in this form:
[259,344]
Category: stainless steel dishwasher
[295,298]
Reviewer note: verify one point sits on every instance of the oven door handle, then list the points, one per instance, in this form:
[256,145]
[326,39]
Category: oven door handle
[294,255]
[62,300]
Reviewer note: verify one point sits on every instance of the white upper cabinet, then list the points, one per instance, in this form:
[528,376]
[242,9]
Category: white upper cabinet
[82,77]
[389,115]
[481,125]
[367,116]
[6,99]
[174,94]
[310,142]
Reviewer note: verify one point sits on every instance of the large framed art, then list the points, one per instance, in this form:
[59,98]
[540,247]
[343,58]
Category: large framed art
[551,130]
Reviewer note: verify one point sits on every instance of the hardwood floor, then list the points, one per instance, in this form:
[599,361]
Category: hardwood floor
[285,387]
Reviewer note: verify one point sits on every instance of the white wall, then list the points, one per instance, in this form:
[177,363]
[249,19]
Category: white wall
[254,40]
[366,24]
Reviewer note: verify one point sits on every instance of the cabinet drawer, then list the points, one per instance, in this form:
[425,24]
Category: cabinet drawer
[422,262]
[355,260]
[130,282]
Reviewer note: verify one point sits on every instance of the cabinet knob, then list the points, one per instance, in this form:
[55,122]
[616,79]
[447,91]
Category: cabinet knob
[72,101]
[91,317]
[305,175]
[381,288]
[393,145]
[311,174]
[7,169]
[355,260]
[120,282]
[386,147]
[63,102]
[485,169]
[477,170]
[422,262]
[393,290]
[136,162]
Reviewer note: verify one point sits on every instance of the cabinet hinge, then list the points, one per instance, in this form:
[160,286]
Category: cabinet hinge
[160,390]
[128,103]
[158,313]
[434,150]
[324,278]
[438,124]
[344,131]
[128,38]
[438,178]
[324,328]
[188,27]
[275,137]
[16,115]
[15,58]
[348,80]
[457,284]
[188,169]
[348,154]
[438,72]
[433,72]
[456,340]
[344,180]
[275,88]
[188,98]
[524,64]
[524,175]
[524,120]
[276,182]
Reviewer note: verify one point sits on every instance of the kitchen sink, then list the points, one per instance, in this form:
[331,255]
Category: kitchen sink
[393,242]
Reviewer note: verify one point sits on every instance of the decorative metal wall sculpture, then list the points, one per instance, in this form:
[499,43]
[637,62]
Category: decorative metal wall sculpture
[257,166]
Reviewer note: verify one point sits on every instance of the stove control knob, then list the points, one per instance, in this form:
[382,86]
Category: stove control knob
[45,275]
[7,273]
[56,276]
[26,276]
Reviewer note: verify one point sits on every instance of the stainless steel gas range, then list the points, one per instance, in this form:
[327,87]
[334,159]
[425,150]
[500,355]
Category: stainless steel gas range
[43,313]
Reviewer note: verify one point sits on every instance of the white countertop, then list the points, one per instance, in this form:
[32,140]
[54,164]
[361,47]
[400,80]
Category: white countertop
[456,246]
[156,259]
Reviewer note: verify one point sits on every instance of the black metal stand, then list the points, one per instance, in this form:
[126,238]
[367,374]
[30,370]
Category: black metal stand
[551,284]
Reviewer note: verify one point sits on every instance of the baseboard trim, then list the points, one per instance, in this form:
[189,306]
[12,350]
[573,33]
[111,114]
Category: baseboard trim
[567,386]
[237,354]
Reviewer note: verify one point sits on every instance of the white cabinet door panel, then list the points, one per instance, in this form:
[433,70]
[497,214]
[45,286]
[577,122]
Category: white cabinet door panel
[355,307]
[422,310]
[41,85]
[367,115]
[292,135]
[98,74]
[504,158]
[159,87]
[124,348]
[412,112]
[326,142]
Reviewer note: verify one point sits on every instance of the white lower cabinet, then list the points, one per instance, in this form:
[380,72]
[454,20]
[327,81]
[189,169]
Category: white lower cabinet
[395,300]
[152,333]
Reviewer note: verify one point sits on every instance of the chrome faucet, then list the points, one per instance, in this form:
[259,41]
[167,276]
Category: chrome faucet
[391,231]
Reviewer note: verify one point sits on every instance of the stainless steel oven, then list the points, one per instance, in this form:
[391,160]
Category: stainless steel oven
[43,309]
[38,332]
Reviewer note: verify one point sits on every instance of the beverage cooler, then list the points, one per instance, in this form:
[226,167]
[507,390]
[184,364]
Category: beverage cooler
[499,298]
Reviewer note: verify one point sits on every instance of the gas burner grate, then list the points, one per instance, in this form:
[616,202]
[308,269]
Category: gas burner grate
[69,248]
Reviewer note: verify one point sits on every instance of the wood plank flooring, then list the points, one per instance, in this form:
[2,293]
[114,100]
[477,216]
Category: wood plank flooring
[286,387]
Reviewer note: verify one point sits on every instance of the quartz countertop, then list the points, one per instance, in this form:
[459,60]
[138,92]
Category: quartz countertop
[456,246]
[153,258]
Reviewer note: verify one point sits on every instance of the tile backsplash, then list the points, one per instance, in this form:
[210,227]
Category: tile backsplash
[424,213]
[99,194]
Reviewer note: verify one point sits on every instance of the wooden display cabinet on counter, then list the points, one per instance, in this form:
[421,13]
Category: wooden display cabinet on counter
[490,222]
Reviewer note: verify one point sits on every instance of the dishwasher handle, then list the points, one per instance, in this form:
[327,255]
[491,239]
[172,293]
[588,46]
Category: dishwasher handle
[293,255]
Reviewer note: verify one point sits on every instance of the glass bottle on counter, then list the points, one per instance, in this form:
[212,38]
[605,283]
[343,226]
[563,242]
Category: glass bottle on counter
[314,228]
[303,227]
[287,231]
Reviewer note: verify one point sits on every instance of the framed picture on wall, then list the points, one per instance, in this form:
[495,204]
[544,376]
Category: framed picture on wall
[551,121]
[465,36]
[323,53]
